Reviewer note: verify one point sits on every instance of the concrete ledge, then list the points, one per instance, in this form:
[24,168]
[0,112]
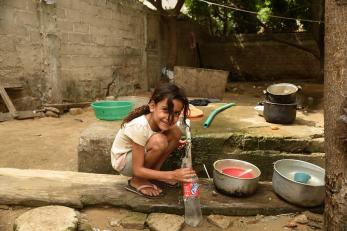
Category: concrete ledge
[95,147]
[74,189]
[231,141]
[96,141]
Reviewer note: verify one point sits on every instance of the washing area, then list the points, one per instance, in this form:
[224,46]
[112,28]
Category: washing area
[236,134]
[298,182]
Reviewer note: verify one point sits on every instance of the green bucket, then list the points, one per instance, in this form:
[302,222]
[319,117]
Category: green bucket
[112,110]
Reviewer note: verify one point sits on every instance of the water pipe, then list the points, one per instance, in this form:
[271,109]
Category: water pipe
[209,119]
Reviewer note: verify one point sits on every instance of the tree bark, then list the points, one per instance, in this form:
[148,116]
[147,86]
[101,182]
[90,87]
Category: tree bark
[172,55]
[171,16]
[335,115]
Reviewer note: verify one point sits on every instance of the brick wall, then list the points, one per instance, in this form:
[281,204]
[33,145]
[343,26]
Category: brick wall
[72,50]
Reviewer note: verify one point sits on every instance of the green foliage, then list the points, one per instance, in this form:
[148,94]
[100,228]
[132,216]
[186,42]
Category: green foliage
[223,22]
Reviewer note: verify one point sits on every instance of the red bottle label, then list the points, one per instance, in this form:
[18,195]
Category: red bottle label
[191,189]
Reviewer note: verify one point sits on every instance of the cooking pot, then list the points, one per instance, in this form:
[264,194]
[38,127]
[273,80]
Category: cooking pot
[279,113]
[281,93]
[232,185]
[308,194]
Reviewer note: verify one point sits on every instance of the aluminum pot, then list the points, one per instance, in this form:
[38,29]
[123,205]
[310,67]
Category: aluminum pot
[279,113]
[235,186]
[308,194]
[285,93]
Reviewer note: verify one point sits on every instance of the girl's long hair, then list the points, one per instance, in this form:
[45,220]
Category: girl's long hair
[167,91]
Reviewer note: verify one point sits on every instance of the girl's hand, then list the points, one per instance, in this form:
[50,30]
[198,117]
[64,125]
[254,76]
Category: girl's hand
[181,144]
[184,174]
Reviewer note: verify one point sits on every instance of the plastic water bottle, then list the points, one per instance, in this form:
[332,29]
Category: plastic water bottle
[192,209]
[191,190]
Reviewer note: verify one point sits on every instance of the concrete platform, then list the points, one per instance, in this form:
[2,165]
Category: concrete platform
[237,132]
[78,190]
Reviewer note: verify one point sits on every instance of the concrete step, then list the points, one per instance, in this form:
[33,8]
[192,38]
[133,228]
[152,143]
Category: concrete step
[229,142]
[261,150]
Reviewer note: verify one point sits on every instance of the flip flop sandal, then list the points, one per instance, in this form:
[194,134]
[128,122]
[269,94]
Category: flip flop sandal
[137,190]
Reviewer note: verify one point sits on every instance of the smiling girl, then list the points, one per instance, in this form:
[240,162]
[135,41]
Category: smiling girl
[147,137]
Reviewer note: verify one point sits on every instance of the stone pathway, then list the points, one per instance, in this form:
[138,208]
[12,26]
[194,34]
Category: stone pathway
[48,218]
[53,218]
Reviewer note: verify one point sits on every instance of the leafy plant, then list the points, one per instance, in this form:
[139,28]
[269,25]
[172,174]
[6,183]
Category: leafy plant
[223,22]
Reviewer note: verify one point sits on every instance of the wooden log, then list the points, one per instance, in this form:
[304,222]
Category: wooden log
[75,189]
[44,187]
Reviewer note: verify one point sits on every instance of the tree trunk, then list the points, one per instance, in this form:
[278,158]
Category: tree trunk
[172,55]
[335,115]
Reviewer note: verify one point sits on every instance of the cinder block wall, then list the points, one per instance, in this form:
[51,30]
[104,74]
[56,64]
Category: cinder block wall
[71,50]
[258,57]
[254,57]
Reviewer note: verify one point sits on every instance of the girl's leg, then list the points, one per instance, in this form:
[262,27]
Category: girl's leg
[173,136]
[155,147]
[155,150]
[158,149]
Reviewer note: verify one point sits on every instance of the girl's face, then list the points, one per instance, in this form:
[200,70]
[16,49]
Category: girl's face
[160,114]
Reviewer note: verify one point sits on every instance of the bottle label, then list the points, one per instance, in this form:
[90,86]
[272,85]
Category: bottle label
[191,189]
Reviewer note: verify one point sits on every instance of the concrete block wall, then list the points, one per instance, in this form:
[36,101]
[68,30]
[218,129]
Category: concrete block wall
[259,57]
[71,50]
[105,41]
[251,56]
[20,46]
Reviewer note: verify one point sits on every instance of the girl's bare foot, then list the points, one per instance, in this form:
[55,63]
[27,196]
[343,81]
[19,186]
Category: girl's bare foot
[137,182]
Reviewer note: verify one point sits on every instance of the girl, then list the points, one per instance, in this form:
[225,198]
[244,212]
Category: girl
[147,137]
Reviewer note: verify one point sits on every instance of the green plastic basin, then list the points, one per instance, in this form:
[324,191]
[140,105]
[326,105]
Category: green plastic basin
[112,110]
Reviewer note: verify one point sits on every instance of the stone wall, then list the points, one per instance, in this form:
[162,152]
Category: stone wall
[72,50]
[251,56]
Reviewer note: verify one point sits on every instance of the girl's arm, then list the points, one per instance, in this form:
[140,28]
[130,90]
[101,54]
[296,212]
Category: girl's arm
[139,170]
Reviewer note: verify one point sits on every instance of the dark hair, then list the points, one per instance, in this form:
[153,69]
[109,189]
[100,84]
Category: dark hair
[163,91]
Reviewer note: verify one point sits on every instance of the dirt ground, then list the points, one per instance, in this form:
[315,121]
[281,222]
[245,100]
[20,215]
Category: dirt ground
[51,143]
[43,143]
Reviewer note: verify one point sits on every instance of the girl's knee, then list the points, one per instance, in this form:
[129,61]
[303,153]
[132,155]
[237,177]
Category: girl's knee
[175,134]
[158,142]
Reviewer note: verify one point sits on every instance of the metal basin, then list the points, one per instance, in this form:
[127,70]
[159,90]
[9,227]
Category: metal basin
[231,185]
[307,194]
